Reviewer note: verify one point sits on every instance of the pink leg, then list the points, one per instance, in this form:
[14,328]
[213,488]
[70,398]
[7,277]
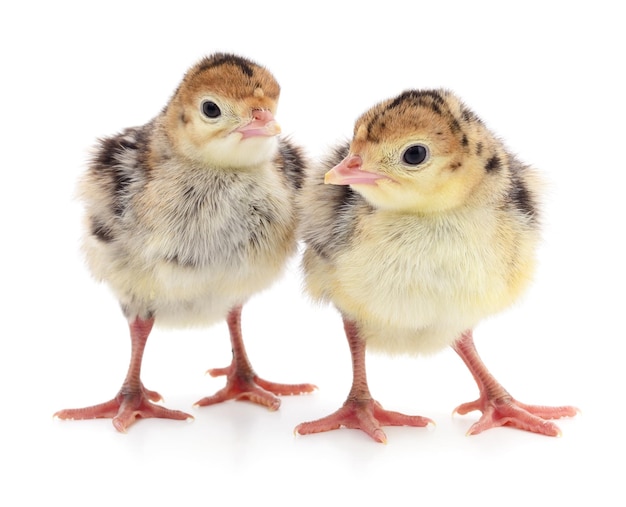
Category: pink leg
[360,410]
[499,408]
[242,383]
[133,400]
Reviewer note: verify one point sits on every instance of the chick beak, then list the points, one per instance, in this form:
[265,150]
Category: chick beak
[349,172]
[261,124]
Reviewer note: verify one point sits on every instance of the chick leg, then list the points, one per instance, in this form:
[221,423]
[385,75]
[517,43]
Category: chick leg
[499,408]
[360,410]
[133,400]
[242,383]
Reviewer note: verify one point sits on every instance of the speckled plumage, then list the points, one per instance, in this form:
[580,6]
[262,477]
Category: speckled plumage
[190,214]
[474,257]
[182,241]
[414,255]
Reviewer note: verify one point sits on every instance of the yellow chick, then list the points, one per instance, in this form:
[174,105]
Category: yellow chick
[189,215]
[427,225]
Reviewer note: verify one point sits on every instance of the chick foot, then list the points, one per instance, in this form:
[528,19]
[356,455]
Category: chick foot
[247,386]
[499,408]
[125,409]
[366,415]
[361,411]
[506,411]
[242,383]
[133,400]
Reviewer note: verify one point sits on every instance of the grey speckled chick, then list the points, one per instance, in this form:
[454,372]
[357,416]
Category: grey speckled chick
[188,216]
[428,226]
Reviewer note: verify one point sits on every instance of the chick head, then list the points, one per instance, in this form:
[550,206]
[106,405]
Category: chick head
[421,152]
[223,112]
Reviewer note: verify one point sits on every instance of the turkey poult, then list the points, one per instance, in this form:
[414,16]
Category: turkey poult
[425,226]
[188,216]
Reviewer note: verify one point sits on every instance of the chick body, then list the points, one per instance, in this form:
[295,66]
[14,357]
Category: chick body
[191,242]
[190,214]
[430,226]
[428,274]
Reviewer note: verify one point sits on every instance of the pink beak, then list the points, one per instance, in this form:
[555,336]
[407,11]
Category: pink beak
[349,172]
[262,124]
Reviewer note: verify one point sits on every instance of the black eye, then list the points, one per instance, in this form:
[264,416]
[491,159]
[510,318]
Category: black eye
[210,109]
[415,155]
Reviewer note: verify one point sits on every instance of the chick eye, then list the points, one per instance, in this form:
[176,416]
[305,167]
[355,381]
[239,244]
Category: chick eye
[415,155]
[210,109]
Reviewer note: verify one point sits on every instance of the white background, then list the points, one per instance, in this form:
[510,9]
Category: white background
[546,76]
